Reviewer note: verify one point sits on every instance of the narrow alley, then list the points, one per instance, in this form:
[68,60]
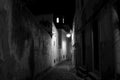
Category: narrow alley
[62,71]
[59,40]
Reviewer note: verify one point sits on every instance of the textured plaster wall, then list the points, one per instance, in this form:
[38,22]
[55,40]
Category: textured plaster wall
[25,47]
[55,51]
[43,44]
[7,61]
[42,50]
[21,41]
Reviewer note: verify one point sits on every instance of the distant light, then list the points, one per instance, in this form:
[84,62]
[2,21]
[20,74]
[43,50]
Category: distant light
[63,20]
[68,35]
[57,20]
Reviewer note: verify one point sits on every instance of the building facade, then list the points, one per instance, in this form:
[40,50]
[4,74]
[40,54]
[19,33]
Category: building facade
[94,42]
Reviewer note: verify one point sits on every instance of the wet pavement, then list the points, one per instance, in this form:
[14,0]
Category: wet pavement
[62,71]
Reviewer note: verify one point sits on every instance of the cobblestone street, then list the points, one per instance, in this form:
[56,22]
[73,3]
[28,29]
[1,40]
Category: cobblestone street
[62,71]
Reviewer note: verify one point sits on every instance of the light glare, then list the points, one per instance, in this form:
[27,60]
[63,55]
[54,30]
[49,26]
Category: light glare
[57,20]
[68,35]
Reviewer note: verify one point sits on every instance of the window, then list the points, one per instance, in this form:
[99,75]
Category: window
[57,20]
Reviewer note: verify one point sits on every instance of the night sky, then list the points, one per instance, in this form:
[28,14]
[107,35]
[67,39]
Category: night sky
[57,7]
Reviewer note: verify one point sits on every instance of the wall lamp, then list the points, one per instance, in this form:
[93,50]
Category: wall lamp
[68,35]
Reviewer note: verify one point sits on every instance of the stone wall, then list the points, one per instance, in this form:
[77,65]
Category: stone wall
[42,50]
[25,48]
[106,42]
[117,39]
[7,61]
[95,45]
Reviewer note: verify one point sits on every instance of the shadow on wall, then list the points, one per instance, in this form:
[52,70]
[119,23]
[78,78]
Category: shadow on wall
[42,45]
[14,65]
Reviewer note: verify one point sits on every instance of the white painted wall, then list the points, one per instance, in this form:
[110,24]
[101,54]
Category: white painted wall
[73,42]
[54,54]
[64,45]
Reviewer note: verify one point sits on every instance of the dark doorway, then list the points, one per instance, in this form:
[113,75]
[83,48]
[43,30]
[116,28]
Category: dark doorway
[95,45]
[83,49]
